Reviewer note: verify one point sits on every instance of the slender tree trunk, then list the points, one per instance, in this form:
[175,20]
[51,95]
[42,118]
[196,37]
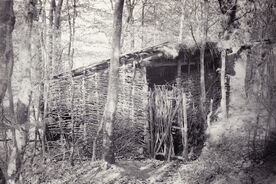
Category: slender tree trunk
[181,25]
[45,95]
[155,23]
[132,45]
[24,98]
[57,38]
[130,4]
[71,64]
[228,28]
[45,57]
[143,22]
[202,62]
[112,94]
[58,15]
[37,78]
[51,35]
[180,39]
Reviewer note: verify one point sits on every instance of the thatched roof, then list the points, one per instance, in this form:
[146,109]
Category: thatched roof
[167,50]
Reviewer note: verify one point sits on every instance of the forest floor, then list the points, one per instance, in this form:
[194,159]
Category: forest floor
[224,160]
[124,171]
[154,171]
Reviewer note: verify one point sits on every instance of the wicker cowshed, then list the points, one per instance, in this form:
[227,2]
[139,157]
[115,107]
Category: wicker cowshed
[79,96]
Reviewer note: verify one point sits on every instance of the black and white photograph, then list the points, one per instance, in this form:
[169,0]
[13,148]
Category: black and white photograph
[137,91]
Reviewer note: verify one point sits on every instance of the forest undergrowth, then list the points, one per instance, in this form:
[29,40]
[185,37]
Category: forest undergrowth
[224,159]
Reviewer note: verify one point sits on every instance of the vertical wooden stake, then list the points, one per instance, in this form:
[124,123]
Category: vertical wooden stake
[209,116]
[151,125]
[147,130]
[222,83]
[133,93]
[84,110]
[184,128]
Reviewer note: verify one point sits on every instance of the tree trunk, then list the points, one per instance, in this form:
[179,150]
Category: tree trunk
[181,25]
[46,74]
[57,38]
[7,21]
[58,14]
[202,62]
[130,4]
[180,39]
[51,35]
[143,22]
[12,113]
[112,93]
[155,22]
[45,106]
[71,64]
[24,96]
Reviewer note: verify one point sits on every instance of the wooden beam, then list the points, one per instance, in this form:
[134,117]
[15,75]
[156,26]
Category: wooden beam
[160,64]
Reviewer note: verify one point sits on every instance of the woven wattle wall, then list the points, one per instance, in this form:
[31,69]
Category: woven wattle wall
[89,92]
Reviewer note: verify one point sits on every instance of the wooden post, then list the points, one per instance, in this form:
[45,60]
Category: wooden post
[84,110]
[151,125]
[133,93]
[72,99]
[178,95]
[123,77]
[147,138]
[222,84]
[184,128]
